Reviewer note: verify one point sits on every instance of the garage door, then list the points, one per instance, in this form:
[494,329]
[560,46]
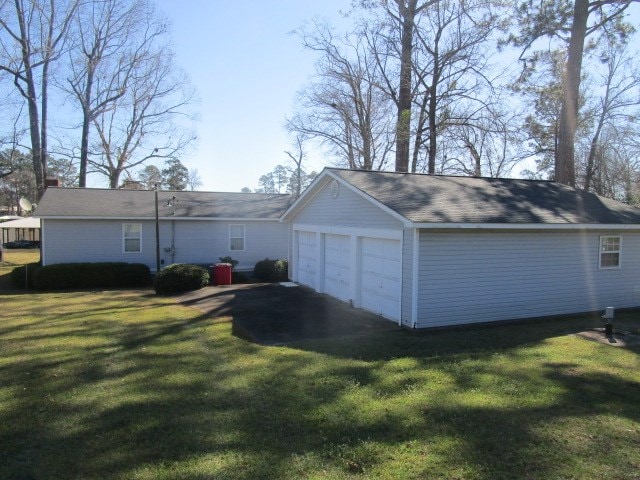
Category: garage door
[380,277]
[337,273]
[307,258]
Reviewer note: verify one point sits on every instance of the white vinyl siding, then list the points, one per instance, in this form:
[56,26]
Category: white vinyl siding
[468,277]
[236,237]
[132,237]
[348,209]
[196,241]
[610,251]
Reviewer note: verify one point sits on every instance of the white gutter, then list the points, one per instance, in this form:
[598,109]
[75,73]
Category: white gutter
[526,226]
[170,217]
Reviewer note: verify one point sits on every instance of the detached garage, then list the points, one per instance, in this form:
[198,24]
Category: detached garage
[429,251]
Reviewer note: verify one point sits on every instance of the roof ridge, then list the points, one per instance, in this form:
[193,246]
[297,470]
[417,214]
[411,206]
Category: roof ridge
[438,175]
[105,189]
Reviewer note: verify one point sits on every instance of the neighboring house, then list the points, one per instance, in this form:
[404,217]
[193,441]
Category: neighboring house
[106,225]
[430,251]
[27,228]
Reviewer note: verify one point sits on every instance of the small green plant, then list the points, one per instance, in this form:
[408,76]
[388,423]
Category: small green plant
[234,263]
[271,270]
[180,277]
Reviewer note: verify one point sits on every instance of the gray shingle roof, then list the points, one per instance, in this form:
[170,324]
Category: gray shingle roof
[109,203]
[449,199]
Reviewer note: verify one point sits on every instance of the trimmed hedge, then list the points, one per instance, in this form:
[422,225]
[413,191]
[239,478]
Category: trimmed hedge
[271,270]
[180,277]
[92,275]
[22,276]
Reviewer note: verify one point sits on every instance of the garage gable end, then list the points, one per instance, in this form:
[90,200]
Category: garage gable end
[335,202]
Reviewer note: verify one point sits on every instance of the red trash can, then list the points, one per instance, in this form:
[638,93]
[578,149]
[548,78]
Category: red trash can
[222,274]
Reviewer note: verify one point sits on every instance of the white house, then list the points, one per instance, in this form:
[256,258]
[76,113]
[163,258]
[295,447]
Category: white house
[106,225]
[430,251]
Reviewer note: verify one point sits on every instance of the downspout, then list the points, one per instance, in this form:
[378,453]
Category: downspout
[173,242]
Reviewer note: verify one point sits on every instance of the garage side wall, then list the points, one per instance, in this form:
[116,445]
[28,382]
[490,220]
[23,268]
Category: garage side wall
[468,277]
[199,242]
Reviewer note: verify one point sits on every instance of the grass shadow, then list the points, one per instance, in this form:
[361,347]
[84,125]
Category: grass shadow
[121,385]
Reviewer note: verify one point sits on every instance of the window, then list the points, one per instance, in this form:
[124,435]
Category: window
[236,237]
[610,252]
[132,237]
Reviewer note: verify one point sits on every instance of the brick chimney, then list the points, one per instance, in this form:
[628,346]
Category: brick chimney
[51,182]
[132,185]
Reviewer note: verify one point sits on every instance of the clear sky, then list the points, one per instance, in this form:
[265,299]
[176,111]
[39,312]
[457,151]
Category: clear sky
[247,68]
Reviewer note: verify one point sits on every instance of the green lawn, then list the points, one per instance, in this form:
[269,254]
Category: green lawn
[127,385]
[15,258]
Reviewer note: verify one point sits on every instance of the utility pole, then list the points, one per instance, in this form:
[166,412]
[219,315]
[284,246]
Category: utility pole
[155,192]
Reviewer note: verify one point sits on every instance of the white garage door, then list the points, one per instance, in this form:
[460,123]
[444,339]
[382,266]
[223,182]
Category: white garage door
[337,276]
[307,258]
[380,277]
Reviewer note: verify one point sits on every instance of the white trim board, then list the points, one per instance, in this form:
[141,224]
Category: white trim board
[350,231]
[415,273]
[526,226]
[162,218]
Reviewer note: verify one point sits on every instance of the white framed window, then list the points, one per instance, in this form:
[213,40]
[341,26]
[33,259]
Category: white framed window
[132,237]
[236,237]
[610,251]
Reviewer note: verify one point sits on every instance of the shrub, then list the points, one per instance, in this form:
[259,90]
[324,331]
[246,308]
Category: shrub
[22,276]
[234,263]
[239,277]
[271,270]
[92,275]
[180,277]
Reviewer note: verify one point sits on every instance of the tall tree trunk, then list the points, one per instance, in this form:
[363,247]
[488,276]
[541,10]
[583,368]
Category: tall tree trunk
[417,142]
[477,160]
[433,100]
[403,126]
[565,170]
[84,147]
[114,177]
[32,101]
[591,159]
[86,121]
[44,101]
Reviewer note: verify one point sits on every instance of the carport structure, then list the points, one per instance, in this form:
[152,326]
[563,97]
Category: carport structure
[27,228]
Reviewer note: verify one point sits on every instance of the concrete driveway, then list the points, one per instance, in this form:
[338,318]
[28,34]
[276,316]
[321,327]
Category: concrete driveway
[272,314]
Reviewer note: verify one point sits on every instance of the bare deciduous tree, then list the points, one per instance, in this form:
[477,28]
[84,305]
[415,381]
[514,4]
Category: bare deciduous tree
[572,23]
[343,107]
[144,122]
[32,38]
[619,102]
[297,158]
[486,145]
[194,180]
[451,65]
[109,37]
